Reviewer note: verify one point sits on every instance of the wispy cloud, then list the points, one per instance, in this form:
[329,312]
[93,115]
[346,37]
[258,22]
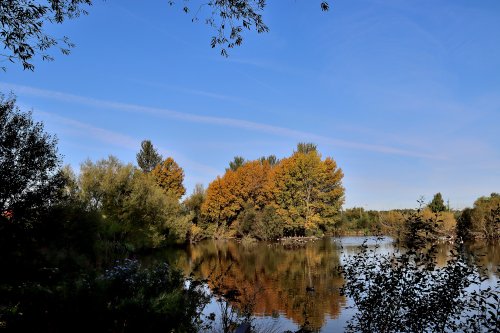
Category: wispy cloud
[219,121]
[123,141]
[100,134]
[197,92]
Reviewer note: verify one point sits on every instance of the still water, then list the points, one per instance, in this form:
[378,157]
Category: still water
[294,286]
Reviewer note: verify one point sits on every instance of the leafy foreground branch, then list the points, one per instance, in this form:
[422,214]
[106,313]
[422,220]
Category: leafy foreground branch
[406,291]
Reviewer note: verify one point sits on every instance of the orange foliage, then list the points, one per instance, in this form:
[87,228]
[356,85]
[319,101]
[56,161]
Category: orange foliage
[227,195]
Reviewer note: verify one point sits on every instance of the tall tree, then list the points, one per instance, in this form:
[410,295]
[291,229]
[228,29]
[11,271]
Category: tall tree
[306,147]
[237,162]
[308,192]
[29,163]
[437,204]
[148,157]
[271,159]
[169,176]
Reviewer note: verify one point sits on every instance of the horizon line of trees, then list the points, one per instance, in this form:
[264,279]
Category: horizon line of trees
[145,206]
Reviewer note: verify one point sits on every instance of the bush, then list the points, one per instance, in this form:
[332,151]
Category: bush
[407,292]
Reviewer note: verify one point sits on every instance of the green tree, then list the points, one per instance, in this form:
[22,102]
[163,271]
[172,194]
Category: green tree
[30,186]
[148,157]
[486,217]
[237,162]
[271,159]
[437,204]
[194,202]
[304,147]
[135,211]
[29,164]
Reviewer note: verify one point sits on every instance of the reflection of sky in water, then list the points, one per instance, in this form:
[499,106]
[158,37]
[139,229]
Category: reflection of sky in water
[279,277]
[350,245]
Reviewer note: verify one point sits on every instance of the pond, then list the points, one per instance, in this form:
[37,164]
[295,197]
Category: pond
[295,285]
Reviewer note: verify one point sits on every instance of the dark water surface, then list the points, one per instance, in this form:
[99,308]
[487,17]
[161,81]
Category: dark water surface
[294,286]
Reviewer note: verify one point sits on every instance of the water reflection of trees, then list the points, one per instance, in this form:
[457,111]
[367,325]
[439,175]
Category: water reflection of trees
[301,283]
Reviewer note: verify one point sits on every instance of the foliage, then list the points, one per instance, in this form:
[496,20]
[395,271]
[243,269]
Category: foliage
[437,204]
[229,18]
[194,202]
[483,220]
[23,31]
[262,224]
[464,224]
[236,163]
[307,191]
[302,193]
[418,231]
[220,204]
[30,187]
[29,163]
[148,157]
[227,196]
[407,292]
[135,211]
[268,226]
[356,219]
[306,148]
[24,24]
[169,176]
[271,159]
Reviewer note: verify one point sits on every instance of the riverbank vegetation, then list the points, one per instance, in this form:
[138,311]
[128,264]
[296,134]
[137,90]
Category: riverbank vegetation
[70,240]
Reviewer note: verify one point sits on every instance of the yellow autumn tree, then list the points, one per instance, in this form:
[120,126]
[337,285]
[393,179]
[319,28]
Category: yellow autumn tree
[307,191]
[169,176]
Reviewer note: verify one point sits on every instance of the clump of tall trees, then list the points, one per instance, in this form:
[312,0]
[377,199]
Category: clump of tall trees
[266,198]
[482,220]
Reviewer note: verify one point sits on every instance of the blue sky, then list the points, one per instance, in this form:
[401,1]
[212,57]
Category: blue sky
[404,95]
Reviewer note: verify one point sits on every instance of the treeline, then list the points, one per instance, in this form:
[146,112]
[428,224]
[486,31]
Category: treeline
[482,221]
[265,199]
[140,207]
